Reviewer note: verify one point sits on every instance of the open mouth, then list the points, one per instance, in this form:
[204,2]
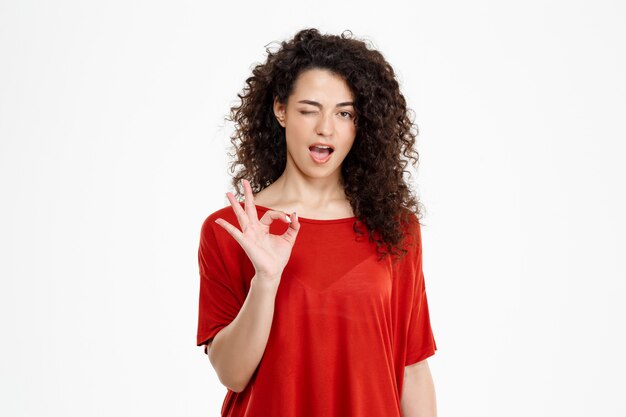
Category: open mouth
[321,153]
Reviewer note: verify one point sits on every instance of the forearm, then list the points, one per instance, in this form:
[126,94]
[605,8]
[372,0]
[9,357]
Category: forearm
[237,349]
[418,392]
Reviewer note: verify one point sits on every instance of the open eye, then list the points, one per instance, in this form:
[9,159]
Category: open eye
[349,115]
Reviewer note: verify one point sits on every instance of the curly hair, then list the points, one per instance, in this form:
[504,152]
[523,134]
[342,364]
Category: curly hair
[373,171]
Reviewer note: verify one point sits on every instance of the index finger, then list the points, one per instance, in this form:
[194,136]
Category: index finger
[249,201]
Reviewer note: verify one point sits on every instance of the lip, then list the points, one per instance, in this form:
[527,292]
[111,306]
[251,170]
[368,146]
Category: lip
[322,144]
[320,161]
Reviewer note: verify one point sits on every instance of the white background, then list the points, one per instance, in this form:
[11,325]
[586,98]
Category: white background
[113,152]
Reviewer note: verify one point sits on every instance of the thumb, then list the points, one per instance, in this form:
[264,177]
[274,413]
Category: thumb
[292,231]
[271,215]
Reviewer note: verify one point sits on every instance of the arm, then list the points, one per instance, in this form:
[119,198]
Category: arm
[418,391]
[237,349]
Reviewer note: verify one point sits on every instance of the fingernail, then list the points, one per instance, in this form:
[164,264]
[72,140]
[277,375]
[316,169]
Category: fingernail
[296,215]
[288,219]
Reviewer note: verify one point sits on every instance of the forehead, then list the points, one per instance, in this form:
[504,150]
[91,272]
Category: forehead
[321,85]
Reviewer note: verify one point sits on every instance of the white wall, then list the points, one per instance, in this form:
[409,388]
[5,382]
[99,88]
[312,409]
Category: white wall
[113,151]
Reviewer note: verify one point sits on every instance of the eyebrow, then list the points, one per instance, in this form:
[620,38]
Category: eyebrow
[315,103]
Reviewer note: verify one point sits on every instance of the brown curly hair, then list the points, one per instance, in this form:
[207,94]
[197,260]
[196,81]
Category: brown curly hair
[373,171]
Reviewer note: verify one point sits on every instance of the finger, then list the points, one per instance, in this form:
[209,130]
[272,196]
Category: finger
[292,231]
[271,215]
[232,230]
[242,218]
[249,201]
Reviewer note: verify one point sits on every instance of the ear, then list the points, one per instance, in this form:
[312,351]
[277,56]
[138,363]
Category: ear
[279,111]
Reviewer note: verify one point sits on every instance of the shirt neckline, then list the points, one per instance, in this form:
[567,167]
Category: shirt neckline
[309,220]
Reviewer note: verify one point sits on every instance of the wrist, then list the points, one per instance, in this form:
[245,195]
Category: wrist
[268,282]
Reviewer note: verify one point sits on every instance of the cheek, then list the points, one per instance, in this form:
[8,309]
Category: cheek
[348,130]
[296,139]
[349,136]
[297,132]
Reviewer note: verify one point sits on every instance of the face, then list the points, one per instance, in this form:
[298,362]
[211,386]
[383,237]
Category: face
[319,110]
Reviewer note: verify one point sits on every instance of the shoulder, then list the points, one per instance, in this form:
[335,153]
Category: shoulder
[212,229]
[225,212]
[411,228]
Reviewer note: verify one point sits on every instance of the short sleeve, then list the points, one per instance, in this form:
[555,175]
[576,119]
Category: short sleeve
[218,303]
[420,339]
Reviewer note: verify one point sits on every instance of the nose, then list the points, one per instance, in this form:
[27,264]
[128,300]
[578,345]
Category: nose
[325,126]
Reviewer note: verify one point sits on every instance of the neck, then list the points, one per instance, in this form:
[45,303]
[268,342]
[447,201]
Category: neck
[305,191]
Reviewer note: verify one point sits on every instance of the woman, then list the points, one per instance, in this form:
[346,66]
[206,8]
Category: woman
[300,310]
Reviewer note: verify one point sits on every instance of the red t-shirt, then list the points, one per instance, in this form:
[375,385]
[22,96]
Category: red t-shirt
[345,325]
